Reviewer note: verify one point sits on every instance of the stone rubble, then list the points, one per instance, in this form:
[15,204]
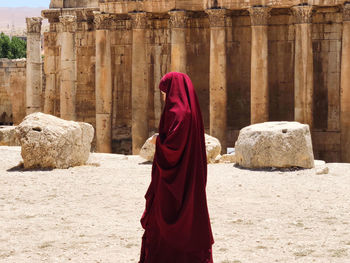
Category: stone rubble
[228,158]
[275,144]
[50,142]
[8,136]
[321,167]
[148,149]
[213,148]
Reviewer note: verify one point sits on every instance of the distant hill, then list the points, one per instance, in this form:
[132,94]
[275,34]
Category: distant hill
[12,20]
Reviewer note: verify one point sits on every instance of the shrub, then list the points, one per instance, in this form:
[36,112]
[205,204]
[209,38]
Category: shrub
[12,48]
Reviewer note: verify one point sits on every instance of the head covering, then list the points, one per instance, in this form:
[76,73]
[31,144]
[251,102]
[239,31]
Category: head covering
[176,205]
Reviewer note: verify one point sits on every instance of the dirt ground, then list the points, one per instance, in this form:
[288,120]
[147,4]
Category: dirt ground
[91,213]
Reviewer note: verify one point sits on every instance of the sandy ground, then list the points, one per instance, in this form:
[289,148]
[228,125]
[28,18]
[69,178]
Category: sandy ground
[91,213]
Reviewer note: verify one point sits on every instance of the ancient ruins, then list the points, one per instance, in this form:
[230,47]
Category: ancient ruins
[12,91]
[250,61]
[50,142]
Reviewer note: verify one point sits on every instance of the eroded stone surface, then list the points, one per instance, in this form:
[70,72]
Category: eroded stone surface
[228,158]
[148,149]
[275,144]
[50,142]
[34,69]
[321,167]
[8,136]
[213,147]
[12,91]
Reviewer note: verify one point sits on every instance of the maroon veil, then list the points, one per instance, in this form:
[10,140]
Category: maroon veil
[176,220]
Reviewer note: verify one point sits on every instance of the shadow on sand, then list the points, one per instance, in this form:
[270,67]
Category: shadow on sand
[20,168]
[270,169]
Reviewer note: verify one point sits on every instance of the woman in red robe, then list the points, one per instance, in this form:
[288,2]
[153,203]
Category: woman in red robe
[176,220]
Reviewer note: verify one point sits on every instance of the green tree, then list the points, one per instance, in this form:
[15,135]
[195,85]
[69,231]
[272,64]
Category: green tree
[12,48]
[5,44]
[18,48]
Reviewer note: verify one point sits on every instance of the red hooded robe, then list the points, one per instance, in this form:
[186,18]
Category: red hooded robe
[176,219]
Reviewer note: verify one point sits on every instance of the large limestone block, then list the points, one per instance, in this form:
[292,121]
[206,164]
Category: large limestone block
[275,144]
[50,142]
[8,136]
[212,144]
[148,149]
[213,147]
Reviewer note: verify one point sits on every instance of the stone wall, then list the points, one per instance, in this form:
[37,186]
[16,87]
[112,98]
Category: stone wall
[86,102]
[281,37]
[238,67]
[327,39]
[12,91]
[121,40]
[198,48]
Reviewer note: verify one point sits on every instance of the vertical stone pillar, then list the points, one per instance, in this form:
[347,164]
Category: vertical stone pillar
[259,83]
[217,78]
[103,84]
[303,69]
[157,77]
[50,75]
[178,21]
[139,90]
[345,88]
[51,58]
[34,65]
[68,68]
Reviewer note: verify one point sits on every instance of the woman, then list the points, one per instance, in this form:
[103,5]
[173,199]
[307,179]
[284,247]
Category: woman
[176,219]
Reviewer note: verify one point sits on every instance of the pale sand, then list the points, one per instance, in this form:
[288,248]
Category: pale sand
[91,213]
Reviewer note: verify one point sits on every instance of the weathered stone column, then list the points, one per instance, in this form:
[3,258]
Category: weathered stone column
[51,43]
[103,84]
[68,68]
[139,90]
[345,88]
[178,21]
[217,78]
[34,65]
[157,77]
[303,69]
[259,83]
[50,75]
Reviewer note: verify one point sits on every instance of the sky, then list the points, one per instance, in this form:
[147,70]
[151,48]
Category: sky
[28,3]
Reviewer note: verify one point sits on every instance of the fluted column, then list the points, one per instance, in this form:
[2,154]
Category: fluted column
[259,83]
[34,65]
[68,68]
[139,82]
[178,21]
[345,87]
[103,84]
[303,69]
[217,77]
